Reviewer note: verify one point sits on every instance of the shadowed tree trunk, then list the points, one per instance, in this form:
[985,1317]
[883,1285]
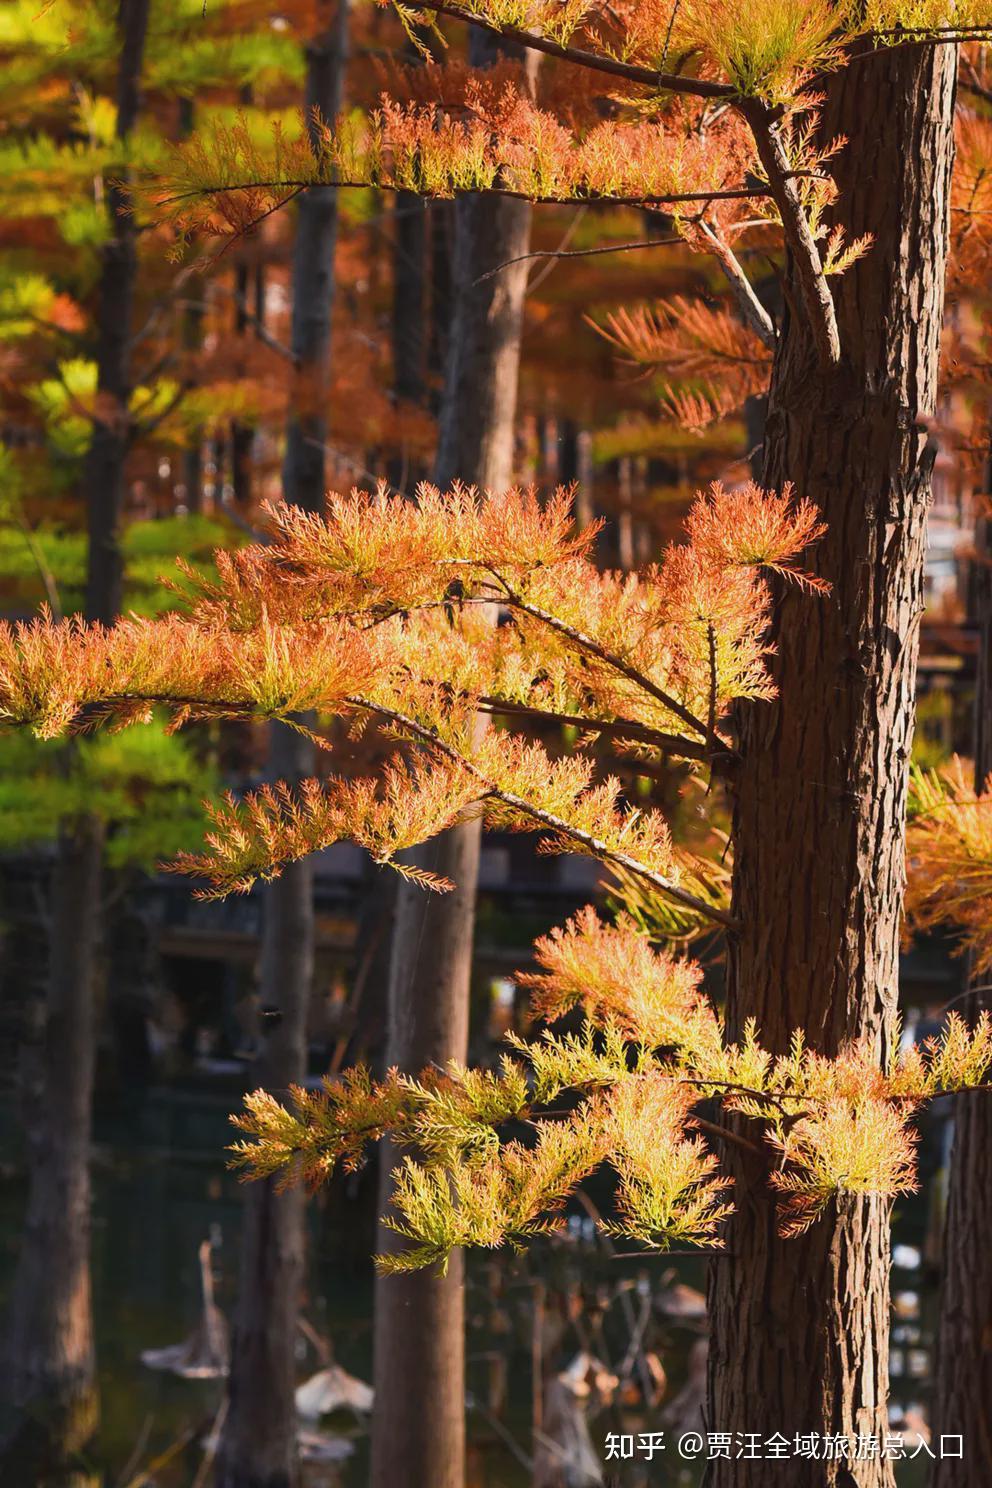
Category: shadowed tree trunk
[418,1430]
[258,1447]
[800,1327]
[49,1376]
[963,1400]
[48,1372]
[103,475]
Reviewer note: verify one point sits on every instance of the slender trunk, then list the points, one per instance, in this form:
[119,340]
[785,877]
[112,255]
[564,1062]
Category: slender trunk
[313,278]
[103,474]
[258,1447]
[800,1327]
[963,1396]
[418,1433]
[409,319]
[48,1374]
[243,434]
[191,337]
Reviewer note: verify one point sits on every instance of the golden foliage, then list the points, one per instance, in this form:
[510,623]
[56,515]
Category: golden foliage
[949,844]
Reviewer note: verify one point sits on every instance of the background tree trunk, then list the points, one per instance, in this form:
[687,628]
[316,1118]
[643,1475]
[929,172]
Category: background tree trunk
[49,1368]
[418,1431]
[50,1373]
[258,1448]
[963,1396]
[103,474]
[800,1327]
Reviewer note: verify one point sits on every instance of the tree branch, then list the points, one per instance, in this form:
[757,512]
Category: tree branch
[752,310]
[595,845]
[631,72]
[617,728]
[586,643]
[798,234]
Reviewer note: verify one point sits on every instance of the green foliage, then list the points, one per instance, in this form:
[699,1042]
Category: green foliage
[146,786]
[149,549]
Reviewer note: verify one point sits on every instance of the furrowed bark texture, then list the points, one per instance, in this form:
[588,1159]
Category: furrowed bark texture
[103,473]
[258,1447]
[800,1326]
[963,1397]
[418,1430]
[49,1368]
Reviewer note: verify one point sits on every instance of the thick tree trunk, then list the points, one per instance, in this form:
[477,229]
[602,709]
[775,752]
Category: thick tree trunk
[800,1326]
[48,1373]
[963,1396]
[258,1447]
[103,475]
[418,1432]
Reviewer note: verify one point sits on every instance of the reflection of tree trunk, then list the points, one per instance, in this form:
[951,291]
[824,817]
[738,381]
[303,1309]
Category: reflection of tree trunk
[418,1433]
[963,1402]
[800,1327]
[48,1374]
[258,1448]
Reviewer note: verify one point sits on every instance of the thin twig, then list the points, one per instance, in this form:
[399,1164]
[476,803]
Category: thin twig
[578,253]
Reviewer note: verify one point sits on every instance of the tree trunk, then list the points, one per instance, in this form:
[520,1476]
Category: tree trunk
[258,1447]
[313,277]
[103,474]
[963,1397]
[418,1430]
[800,1326]
[49,1374]
[243,434]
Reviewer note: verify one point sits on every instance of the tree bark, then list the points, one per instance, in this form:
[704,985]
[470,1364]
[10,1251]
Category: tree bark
[418,1430]
[258,1446]
[50,1374]
[49,1368]
[800,1326]
[963,1395]
[313,277]
[103,473]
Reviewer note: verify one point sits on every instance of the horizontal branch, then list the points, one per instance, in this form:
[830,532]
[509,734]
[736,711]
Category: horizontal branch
[630,72]
[593,844]
[294,187]
[617,728]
